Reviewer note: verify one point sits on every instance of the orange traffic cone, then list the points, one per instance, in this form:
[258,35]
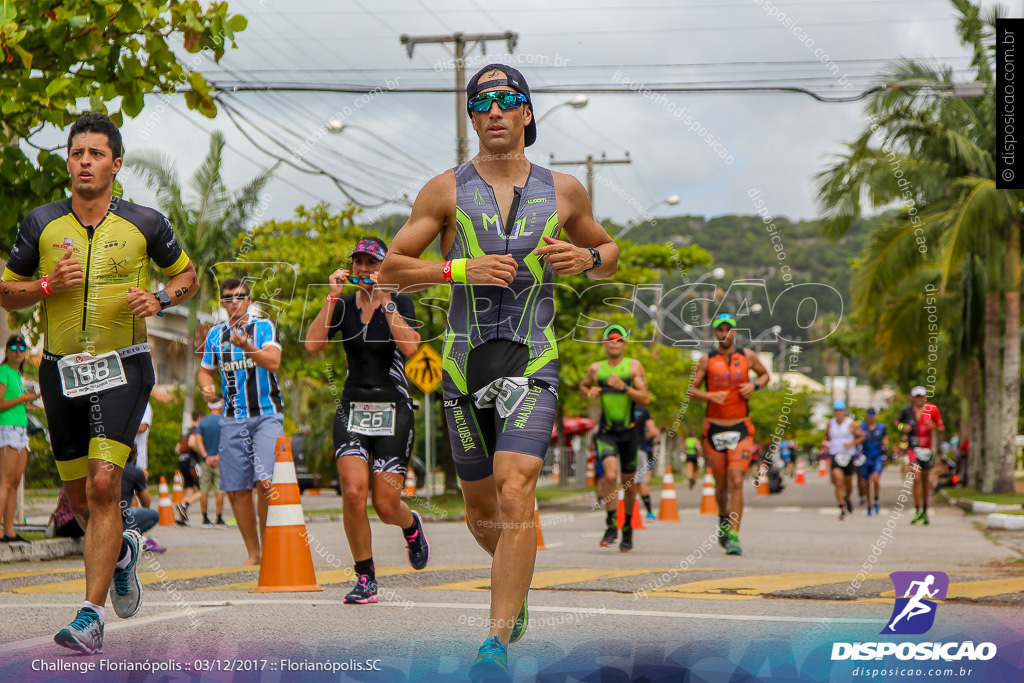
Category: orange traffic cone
[166,511]
[762,482]
[555,470]
[536,522]
[590,472]
[312,492]
[822,467]
[800,478]
[287,564]
[637,520]
[410,483]
[668,510]
[178,490]
[620,512]
[708,504]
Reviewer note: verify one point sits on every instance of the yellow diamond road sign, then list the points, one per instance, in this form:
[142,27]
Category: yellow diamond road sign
[424,369]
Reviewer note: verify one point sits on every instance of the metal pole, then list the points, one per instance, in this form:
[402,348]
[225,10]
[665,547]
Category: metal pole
[590,179]
[461,144]
[429,451]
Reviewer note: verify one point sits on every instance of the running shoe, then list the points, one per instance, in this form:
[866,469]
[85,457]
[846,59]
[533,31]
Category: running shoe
[626,544]
[207,524]
[842,514]
[418,547]
[610,534]
[16,538]
[651,517]
[693,482]
[863,501]
[733,546]
[849,506]
[924,519]
[220,523]
[149,545]
[871,509]
[84,634]
[522,621]
[918,518]
[878,510]
[491,662]
[364,592]
[723,533]
[127,594]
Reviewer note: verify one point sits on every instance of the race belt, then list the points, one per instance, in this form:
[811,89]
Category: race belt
[82,374]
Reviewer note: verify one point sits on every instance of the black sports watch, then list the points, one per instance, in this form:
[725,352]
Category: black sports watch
[164,298]
[597,259]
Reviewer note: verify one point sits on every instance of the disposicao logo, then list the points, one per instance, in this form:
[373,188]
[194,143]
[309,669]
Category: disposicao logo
[917,594]
[914,612]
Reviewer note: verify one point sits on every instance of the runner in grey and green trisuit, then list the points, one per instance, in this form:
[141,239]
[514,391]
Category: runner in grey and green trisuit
[500,220]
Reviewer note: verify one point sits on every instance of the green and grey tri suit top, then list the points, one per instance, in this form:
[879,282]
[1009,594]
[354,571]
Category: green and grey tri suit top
[523,312]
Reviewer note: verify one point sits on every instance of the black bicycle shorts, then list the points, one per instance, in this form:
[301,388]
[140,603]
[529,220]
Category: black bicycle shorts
[101,425]
[386,453]
[621,444]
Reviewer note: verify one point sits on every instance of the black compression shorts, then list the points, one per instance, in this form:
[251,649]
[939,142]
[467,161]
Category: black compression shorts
[618,443]
[102,425]
[390,452]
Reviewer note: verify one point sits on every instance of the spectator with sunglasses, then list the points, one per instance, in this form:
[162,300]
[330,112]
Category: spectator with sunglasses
[13,431]
[373,424]
[247,351]
[506,227]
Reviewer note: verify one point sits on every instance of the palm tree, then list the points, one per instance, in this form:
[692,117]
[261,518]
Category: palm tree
[207,224]
[933,154]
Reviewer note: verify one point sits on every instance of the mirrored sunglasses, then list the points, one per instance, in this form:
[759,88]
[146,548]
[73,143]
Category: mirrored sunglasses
[17,347]
[506,100]
[356,280]
[240,296]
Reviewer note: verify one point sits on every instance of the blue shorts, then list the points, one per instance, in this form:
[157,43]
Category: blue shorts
[872,466]
[247,450]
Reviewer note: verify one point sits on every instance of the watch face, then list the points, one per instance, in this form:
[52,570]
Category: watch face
[390,307]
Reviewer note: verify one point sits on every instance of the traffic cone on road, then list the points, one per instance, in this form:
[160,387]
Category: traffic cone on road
[166,511]
[637,520]
[762,482]
[410,484]
[536,522]
[668,509]
[287,564]
[800,478]
[590,473]
[178,490]
[555,471]
[822,467]
[708,504]
[620,512]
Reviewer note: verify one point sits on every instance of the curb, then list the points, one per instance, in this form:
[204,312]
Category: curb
[978,506]
[1009,522]
[48,549]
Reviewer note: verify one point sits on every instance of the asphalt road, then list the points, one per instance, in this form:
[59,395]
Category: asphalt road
[676,606]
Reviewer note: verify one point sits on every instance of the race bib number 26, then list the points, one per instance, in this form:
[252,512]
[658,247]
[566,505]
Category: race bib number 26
[372,419]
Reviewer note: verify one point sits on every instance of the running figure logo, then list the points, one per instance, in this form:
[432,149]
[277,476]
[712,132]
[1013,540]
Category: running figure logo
[914,612]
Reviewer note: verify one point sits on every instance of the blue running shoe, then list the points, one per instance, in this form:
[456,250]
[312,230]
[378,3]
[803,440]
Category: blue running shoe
[84,634]
[522,621]
[127,594]
[419,548]
[491,662]
[364,593]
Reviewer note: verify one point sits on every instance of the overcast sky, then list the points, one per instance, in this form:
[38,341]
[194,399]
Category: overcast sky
[772,142]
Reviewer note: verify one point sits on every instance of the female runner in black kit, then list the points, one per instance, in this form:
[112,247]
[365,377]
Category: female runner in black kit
[373,425]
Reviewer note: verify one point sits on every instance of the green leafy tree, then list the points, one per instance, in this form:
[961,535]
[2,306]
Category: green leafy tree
[934,155]
[55,55]
[208,224]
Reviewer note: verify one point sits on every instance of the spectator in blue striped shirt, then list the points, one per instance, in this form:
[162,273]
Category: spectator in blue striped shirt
[248,352]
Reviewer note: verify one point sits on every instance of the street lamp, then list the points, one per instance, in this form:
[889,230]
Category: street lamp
[671,200]
[576,102]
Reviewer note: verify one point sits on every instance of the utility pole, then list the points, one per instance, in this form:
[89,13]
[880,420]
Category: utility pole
[460,40]
[590,162]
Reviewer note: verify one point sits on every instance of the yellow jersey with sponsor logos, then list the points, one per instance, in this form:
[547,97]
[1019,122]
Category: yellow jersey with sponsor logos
[114,255]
